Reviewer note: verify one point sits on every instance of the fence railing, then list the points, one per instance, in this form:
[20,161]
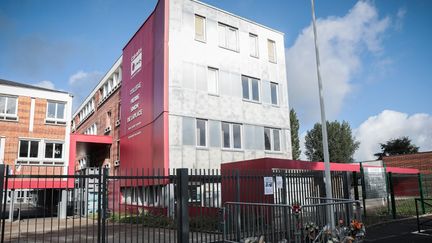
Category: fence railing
[165,205]
[283,223]
[424,225]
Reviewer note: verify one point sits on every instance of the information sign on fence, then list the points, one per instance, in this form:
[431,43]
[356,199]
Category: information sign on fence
[375,182]
[268,185]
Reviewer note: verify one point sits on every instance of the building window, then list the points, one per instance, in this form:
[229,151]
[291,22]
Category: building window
[274,93]
[271,47]
[28,149]
[55,113]
[86,110]
[231,135]
[200,28]
[53,150]
[228,37]
[92,130]
[212,81]
[201,133]
[253,45]
[8,108]
[251,88]
[272,139]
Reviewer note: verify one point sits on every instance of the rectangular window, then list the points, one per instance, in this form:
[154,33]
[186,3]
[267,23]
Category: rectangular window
[231,135]
[53,150]
[274,93]
[55,113]
[8,108]
[271,48]
[253,45]
[272,139]
[228,37]
[201,133]
[251,88]
[200,28]
[28,149]
[212,81]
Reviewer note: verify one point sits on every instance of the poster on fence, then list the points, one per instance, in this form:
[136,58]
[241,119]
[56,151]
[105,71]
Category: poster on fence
[375,182]
[279,182]
[268,185]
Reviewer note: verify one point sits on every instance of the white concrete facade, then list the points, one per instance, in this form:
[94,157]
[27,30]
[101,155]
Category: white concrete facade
[190,99]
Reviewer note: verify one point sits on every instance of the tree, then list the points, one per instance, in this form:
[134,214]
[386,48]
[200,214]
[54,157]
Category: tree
[342,144]
[295,142]
[397,146]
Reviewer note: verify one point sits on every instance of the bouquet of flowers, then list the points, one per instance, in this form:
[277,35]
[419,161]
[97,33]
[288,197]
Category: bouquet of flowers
[311,230]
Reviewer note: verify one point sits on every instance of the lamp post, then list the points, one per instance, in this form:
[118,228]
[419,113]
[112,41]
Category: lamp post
[327,176]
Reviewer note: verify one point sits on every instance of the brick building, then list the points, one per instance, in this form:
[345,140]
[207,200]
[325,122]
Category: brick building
[34,137]
[34,127]
[421,161]
[99,115]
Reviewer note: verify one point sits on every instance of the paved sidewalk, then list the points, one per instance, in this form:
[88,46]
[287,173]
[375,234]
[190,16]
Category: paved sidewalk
[397,232]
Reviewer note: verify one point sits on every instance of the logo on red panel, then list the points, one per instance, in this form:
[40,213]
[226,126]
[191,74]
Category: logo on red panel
[136,62]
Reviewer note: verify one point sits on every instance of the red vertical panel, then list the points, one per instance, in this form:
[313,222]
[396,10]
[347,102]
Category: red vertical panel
[143,132]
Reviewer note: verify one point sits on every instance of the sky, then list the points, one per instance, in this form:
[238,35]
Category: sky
[375,56]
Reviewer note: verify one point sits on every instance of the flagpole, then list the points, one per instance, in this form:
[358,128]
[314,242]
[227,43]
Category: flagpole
[327,176]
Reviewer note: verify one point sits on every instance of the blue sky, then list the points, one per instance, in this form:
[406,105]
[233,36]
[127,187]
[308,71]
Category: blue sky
[375,55]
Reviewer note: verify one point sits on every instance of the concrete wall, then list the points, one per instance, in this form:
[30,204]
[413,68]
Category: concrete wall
[189,60]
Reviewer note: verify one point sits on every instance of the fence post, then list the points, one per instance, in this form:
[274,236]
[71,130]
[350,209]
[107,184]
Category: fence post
[182,199]
[420,182]
[238,216]
[104,201]
[392,198]
[2,177]
[99,205]
[3,209]
[363,189]
[346,190]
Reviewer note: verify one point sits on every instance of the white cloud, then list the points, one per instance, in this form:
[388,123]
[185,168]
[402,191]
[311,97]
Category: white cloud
[81,84]
[342,41]
[392,124]
[45,84]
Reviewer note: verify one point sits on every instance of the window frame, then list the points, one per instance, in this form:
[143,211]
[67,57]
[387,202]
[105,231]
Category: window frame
[227,27]
[277,93]
[217,80]
[272,140]
[12,117]
[40,160]
[204,38]
[274,51]
[54,142]
[55,120]
[252,35]
[205,133]
[29,140]
[231,136]
[250,89]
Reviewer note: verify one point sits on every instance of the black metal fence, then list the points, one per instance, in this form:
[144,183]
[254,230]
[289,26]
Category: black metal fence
[42,204]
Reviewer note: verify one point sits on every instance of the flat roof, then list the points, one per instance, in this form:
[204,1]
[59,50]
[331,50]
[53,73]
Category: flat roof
[28,86]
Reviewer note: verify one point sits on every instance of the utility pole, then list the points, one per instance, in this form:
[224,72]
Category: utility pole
[327,176]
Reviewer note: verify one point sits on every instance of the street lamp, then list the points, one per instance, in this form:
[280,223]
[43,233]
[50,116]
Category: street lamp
[327,176]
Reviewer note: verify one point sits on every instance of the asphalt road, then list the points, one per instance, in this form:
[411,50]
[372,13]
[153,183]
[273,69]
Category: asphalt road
[398,232]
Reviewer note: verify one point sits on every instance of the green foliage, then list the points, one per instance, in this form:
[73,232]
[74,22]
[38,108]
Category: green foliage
[397,146]
[295,142]
[342,144]
[147,219]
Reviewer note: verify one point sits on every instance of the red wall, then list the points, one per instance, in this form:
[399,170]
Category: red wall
[144,139]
